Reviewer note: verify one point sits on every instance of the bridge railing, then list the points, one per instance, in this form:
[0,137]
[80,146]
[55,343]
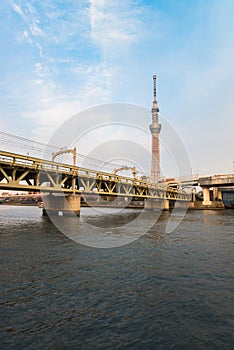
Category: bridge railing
[47,165]
[52,169]
[217,180]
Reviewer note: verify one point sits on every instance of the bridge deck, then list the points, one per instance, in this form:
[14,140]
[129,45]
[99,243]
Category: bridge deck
[25,173]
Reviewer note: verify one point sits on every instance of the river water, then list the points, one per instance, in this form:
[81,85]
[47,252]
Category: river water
[163,291]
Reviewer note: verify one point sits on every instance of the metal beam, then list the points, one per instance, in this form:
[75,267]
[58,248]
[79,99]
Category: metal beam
[50,176]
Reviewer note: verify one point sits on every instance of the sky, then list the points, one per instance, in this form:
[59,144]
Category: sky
[60,58]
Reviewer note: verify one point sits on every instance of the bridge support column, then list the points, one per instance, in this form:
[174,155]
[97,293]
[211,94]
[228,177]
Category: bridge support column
[157,204]
[217,194]
[166,204]
[62,205]
[193,195]
[206,196]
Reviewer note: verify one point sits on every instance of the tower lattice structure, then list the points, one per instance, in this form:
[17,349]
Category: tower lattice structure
[155,128]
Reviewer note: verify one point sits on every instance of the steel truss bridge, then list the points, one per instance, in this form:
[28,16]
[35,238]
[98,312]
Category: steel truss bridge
[26,173]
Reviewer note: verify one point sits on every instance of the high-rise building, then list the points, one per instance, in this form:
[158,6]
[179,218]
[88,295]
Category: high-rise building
[155,128]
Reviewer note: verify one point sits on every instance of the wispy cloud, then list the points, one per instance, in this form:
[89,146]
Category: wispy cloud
[77,53]
[29,16]
[114,25]
[62,57]
[16,7]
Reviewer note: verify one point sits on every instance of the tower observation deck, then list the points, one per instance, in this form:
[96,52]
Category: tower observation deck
[155,128]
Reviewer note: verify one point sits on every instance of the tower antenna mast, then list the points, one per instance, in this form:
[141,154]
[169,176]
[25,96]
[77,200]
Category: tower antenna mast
[155,129]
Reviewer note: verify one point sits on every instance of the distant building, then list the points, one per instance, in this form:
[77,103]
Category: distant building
[5,194]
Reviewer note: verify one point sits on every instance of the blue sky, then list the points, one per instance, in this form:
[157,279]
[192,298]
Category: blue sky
[61,57]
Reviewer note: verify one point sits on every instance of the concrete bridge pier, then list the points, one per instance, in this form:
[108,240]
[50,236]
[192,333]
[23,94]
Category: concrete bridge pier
[217,194]
[152,204]
[61,205]
[166,204]
[206,196]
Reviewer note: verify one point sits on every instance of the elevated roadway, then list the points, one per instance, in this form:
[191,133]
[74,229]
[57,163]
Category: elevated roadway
[203,181]
[216,180]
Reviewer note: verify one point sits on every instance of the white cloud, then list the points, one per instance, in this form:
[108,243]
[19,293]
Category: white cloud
[114,25]
[91,80]
[29,16]
[49,116]
[93,51]
[23,36]
[16,7]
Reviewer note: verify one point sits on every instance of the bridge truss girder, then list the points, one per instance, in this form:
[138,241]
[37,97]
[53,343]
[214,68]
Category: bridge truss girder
[26,173]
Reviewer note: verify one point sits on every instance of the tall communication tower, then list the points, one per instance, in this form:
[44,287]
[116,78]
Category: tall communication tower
[155,128]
